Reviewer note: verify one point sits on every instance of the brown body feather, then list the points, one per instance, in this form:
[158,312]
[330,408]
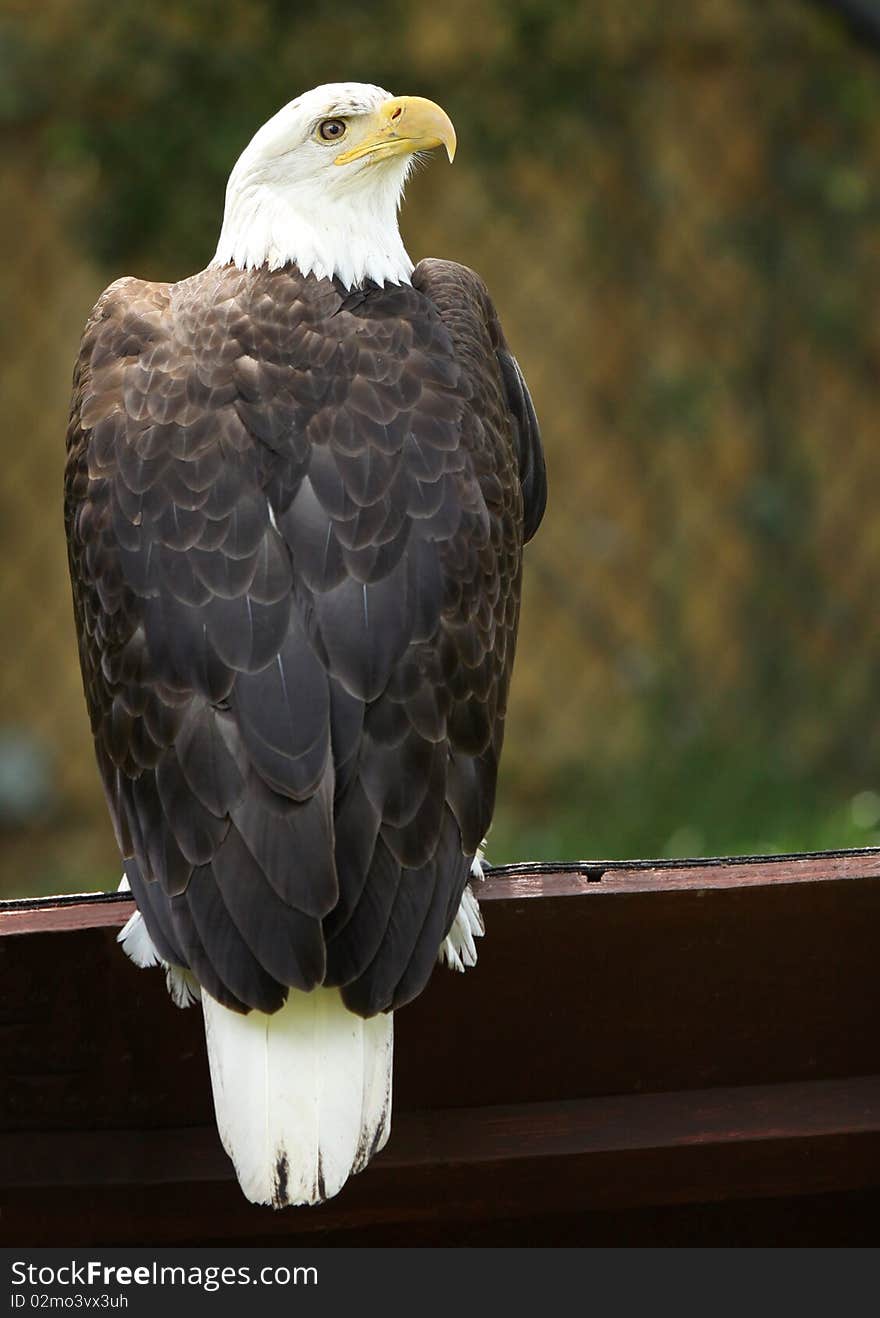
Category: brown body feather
[295,518]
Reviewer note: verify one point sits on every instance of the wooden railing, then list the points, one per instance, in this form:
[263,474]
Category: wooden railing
[647,1052]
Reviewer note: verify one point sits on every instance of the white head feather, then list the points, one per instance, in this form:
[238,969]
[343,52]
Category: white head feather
[288,200]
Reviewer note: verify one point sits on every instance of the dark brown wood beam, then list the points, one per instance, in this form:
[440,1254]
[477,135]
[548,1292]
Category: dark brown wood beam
[637,1037]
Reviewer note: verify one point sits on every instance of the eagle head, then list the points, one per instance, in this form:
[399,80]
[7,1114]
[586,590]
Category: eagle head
[320,184]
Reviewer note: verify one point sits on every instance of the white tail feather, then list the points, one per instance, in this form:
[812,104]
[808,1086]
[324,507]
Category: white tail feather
[302,1097]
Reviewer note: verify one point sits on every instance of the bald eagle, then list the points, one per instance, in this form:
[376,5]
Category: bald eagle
[297,490]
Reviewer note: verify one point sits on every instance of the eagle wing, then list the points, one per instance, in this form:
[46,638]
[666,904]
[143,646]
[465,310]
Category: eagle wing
[295,519]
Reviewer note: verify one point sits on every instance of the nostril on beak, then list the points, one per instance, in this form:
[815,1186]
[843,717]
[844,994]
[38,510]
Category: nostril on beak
[397,113]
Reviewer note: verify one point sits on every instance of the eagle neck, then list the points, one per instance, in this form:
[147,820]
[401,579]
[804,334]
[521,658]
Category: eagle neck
[347,233]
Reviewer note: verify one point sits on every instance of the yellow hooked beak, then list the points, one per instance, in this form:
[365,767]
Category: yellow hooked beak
[401,126]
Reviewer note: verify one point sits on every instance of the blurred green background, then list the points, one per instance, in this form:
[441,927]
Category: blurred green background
[676,209]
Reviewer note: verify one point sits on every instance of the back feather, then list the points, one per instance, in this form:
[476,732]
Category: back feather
[295,523]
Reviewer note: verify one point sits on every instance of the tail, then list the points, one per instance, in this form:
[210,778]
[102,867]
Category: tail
[302,1097]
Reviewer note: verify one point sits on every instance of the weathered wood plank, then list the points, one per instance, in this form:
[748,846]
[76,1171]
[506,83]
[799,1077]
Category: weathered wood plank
[635,1034]
[446,1168]
[514,1132]
[506,882]
[606,992]
[49,915]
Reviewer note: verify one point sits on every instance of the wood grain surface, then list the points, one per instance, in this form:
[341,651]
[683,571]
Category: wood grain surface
[639,1041]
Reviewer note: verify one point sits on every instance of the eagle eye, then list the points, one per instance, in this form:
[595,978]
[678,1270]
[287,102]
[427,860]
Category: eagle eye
[331,130]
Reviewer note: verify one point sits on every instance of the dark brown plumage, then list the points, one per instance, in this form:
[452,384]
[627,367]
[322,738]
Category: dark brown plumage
[295,518]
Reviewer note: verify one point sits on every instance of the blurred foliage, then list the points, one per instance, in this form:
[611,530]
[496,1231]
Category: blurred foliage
[676,209]
[169,94]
